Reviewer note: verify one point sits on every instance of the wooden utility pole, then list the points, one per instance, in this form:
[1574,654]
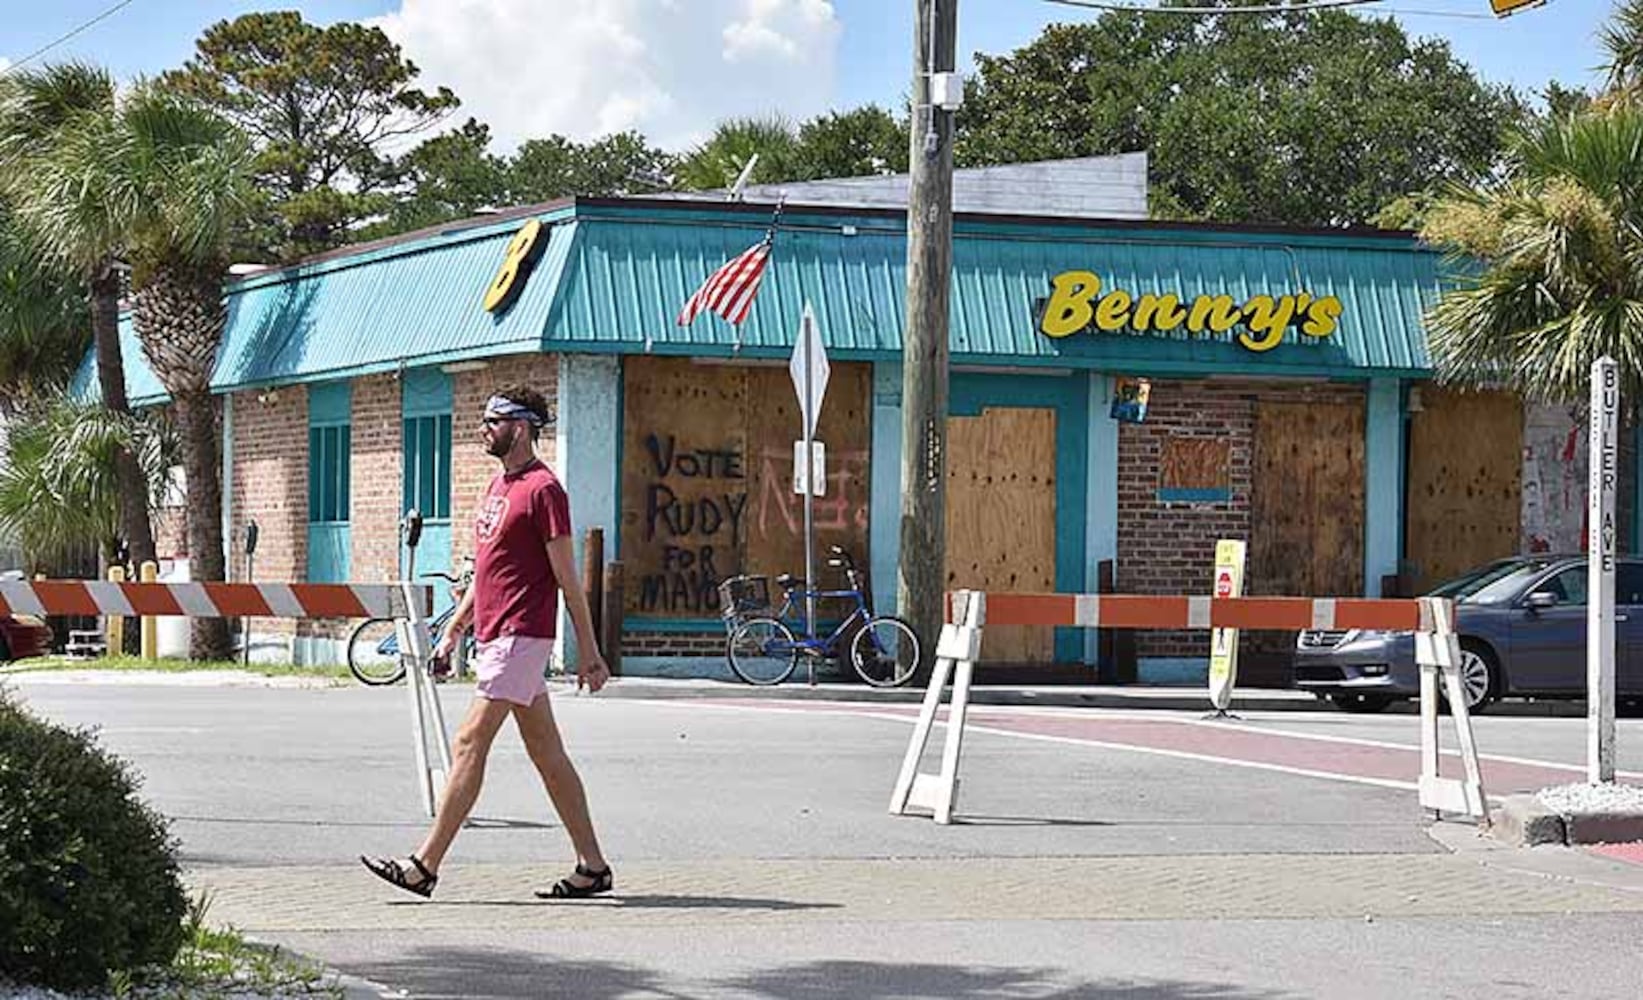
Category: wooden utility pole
[921,576]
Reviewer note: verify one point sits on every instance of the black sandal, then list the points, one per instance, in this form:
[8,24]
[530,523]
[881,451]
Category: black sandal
[394,873]
[566,889]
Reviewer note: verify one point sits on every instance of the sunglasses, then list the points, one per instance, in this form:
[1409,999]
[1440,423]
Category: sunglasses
[496,421]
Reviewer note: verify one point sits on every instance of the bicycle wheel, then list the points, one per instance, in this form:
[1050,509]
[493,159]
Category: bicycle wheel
[761,651]
[885,652]
[373,653]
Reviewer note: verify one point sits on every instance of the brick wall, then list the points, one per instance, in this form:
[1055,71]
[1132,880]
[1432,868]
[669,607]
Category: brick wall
[1169,548]
[704,644]
[376,487]
[270,485]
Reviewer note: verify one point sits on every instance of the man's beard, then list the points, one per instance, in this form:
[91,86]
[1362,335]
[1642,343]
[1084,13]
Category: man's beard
[498,446]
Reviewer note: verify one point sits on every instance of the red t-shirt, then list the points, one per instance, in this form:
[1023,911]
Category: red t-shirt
[515,590]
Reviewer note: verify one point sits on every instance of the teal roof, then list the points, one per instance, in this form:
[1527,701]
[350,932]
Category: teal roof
[615,273]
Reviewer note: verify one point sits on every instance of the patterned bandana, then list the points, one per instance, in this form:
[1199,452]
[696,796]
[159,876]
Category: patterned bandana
[503,407]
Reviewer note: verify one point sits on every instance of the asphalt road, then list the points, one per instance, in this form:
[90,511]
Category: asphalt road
[755,857]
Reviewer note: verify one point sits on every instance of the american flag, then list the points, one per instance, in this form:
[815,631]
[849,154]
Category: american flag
[729,291]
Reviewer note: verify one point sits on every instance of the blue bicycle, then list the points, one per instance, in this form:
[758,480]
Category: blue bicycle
[373,646]
[764,645]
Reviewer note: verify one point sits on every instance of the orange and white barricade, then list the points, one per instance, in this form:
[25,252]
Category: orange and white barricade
[1432,619]
[407,603]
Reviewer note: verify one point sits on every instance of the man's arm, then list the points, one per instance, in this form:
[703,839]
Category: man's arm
[455,624]
[590,668]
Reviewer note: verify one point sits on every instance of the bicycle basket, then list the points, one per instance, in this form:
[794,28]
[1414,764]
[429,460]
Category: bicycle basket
[744,597]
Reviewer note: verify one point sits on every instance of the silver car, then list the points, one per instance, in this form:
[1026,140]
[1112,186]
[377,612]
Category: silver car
[1522,623]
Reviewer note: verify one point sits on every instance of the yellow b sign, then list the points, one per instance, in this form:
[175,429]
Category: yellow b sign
[523,250]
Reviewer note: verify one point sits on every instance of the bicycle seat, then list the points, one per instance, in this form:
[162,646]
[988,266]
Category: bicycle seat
[788,581]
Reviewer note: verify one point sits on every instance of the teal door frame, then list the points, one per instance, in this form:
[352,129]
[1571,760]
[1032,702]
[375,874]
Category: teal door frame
[428,393]
[1068,395]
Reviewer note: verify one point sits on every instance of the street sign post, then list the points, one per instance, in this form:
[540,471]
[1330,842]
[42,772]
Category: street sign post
[1600,563]
[809,369]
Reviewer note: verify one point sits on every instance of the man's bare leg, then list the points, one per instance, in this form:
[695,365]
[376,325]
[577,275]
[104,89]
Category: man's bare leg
[541,737]
[469,752]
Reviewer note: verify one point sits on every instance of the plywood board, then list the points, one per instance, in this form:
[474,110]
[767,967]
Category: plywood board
[707,479]
[1001,517]
[1195,469]
[1465,487]
[775,537]
[685,484]
[1307,500]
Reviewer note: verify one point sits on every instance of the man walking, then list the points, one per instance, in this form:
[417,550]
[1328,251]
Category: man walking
[522,558]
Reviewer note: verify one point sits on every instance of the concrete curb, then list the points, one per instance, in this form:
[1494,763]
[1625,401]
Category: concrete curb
[1055,696]
[1525,821]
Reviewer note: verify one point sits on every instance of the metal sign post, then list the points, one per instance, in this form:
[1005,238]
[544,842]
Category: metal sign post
[810,370]
[1600,563]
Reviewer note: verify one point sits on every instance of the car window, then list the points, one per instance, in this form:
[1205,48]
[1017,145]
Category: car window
[1628,584]
[1469,582]
[1569,586]
[1506,584]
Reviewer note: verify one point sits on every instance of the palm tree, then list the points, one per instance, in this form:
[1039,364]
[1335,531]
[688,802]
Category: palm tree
[36,107]
[174,178]
[58,487]
[1560,244]
[1622,39]
[717,162]
[43,329]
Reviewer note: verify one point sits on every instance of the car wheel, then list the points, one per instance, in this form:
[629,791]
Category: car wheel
[1480,677]
[1361,704]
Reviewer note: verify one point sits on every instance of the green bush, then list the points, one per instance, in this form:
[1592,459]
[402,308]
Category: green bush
[88,879]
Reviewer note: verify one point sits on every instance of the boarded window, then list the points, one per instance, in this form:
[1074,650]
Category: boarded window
[1195,470]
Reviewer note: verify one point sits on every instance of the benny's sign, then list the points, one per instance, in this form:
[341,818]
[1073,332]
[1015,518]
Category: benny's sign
[1077,304]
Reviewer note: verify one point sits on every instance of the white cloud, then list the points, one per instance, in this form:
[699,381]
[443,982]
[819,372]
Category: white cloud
[667,68]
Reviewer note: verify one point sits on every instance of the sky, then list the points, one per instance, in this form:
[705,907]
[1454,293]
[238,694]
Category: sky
[671,68]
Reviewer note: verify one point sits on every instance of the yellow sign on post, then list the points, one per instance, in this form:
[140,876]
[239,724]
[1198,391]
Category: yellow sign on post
[1505,7]
[1223,642]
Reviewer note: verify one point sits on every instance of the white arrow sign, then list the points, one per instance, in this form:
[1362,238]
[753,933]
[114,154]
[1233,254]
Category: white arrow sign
[809,369]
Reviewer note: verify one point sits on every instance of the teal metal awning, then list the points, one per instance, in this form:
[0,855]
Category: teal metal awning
[615,273]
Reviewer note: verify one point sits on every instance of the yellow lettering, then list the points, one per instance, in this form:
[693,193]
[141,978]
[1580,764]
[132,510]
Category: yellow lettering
[1267,320]
[1159,312]
[1321,317]
[1069,309]
[1216,312]
[1112,313]
[514,263]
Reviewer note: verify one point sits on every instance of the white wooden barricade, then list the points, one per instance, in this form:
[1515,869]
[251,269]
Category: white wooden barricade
[1432,620]
[407,603]
[1437,651]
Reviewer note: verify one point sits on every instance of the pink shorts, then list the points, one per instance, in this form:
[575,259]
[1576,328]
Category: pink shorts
[512,668]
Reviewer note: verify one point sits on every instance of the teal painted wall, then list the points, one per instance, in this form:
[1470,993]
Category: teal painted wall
[970,393]
[428,392]
[1101,495]
[330,404]
[1383,483]
[587,437]
[884,509]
